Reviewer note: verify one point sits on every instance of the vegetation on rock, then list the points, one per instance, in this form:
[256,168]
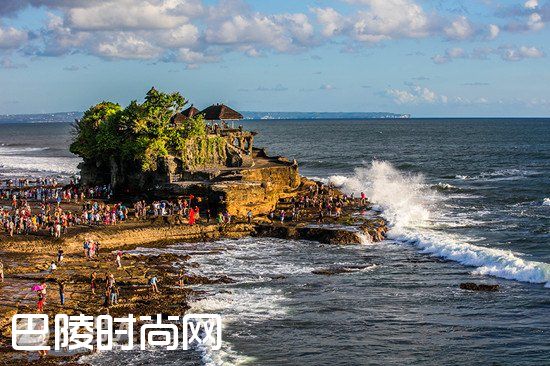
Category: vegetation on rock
[142,133]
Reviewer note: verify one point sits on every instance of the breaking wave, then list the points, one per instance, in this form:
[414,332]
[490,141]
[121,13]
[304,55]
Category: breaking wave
[414,212]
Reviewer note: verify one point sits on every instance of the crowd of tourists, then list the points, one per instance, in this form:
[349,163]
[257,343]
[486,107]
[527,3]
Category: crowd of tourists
[49,190]
[320,199]
[33,206]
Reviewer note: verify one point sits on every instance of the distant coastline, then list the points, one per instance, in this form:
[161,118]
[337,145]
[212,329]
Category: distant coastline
[323,115]
[71,116]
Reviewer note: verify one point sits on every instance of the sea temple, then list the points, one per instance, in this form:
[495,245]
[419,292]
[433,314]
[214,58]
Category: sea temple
[191,152]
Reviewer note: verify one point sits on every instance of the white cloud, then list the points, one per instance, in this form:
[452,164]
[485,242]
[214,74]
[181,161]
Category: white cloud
[184,35]
[493,31]
[416,94]
[332,22]
[12,37]
[512,53]
[531,4]
[161,29]
[535,22]
[327,87]
[123,15]
[380,20]
[283,33]
[189,31]
[127,46]
[390,19]
[507,53]
[450,54]
[459,29]
[193,57]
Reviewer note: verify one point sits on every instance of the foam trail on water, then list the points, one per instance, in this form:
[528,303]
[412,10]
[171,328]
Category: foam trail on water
[413,210]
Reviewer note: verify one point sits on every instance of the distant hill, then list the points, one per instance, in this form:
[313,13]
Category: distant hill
[40,118]
[323,115]
[71,116]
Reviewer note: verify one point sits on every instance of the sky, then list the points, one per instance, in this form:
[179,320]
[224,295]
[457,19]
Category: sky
[429,58]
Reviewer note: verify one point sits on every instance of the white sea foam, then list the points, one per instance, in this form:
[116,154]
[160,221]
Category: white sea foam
[34,164]
[500,174]
[318,179]
[413,209]
[546,202]
[445,186]
[23,160]
[238,305]
[253,262]
[20,150]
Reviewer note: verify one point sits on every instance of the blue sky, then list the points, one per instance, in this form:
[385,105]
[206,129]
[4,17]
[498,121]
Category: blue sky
[424,57]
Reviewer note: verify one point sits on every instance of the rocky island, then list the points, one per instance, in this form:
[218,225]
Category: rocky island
[152,175]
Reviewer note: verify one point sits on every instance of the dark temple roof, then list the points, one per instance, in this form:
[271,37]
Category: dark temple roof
[184,115]
[220,112]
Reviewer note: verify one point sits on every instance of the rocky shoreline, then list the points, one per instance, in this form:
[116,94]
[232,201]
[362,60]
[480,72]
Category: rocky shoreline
[26,260]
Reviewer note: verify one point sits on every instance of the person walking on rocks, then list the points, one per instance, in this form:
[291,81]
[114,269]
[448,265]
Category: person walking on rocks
[154,286]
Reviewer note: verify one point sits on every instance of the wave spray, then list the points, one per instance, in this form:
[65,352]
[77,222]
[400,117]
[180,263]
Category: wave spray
[416,216]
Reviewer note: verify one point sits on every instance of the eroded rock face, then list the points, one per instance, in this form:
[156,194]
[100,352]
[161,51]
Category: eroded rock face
[479,287]
[259,189]
[329,235]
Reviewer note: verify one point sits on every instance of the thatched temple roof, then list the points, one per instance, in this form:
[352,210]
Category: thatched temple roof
[218,112]
[184,115]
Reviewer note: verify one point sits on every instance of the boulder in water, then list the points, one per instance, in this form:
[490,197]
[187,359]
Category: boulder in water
[479,287]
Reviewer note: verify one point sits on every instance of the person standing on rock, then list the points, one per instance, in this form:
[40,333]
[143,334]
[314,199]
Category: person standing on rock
[114,295]
[191,217]
[1,272]
[62,292]
[86,247]
[41,298]
[52,267]
[249,217]
[59,256]
[118,259]
[320,217]
[93,282]
[181,278]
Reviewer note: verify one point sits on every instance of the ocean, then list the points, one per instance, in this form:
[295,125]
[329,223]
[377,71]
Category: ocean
[468,200]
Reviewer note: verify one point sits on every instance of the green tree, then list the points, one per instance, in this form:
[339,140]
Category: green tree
[85,143]
[139,134]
